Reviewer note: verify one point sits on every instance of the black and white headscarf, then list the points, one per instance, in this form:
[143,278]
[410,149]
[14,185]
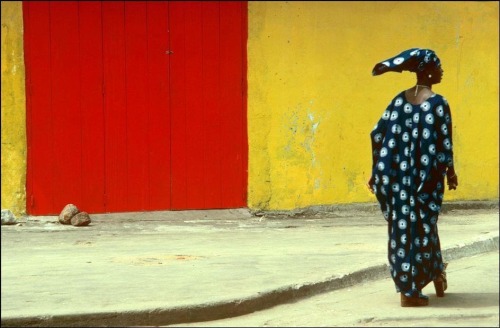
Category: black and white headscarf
[413,60]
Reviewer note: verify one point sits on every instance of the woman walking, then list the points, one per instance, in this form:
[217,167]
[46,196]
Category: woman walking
[412,153]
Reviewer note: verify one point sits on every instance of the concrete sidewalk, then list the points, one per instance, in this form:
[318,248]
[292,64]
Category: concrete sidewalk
[161,268]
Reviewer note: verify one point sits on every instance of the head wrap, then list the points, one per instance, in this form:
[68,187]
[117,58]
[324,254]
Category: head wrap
[413,60]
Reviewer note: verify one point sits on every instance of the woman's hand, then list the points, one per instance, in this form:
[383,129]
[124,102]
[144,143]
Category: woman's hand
[369,184]
[452,181]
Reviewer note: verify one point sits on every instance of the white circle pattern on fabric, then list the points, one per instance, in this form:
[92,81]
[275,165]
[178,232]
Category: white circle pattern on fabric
[447,143]
[432,149]
[440,111]
[422,174]
[383,152]
[413,217]
[440,157]
[392,143]
[403,166]
[424,160]
[425,106]
[396,129]
[398,60]
[444,129]
[386,115]
[426,133]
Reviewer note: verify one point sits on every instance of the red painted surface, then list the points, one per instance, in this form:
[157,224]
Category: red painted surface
[38,107]
[158,100]
[91,105]
[65,103]
[135,106]
[115,107]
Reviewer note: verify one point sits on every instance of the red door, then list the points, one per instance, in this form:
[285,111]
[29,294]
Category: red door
[135,106]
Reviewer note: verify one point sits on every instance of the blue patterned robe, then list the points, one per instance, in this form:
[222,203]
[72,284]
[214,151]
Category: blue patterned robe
[412,148]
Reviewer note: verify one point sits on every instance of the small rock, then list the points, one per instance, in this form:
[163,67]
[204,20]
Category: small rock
[67,213]
[81,219]
[8,217]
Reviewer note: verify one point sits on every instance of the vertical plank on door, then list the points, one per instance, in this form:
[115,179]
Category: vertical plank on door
[179,154]
[158,99]
[115,115]
[66,111]
[38,105]
[233,127]
[195,138]
[91,74]
[136,101]
[189,134]
[211,104]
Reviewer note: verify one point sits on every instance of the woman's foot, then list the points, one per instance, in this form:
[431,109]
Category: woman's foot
[409,301]
[440,283]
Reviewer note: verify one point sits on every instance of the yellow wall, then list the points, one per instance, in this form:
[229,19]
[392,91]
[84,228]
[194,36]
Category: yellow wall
[13,110]
[312,101]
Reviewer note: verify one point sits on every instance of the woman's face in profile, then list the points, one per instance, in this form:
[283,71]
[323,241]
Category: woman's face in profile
[437,74]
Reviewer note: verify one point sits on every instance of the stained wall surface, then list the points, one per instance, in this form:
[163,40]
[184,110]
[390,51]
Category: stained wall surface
[13,109]
[312,100]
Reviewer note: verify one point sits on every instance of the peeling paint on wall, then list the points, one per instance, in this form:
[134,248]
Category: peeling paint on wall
[13,110]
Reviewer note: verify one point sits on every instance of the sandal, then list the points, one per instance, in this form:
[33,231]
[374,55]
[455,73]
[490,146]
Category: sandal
[440,283]
[408,301]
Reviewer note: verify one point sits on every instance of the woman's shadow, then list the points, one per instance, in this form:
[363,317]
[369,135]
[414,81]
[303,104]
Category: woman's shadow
[466,300]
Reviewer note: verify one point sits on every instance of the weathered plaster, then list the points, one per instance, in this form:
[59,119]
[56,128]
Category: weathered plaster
[13,110]
[312,100]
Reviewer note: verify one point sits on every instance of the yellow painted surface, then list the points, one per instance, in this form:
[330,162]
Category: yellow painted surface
[13,110]
[312,100]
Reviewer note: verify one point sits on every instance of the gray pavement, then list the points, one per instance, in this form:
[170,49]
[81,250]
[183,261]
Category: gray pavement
[471,300]
[167,268]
